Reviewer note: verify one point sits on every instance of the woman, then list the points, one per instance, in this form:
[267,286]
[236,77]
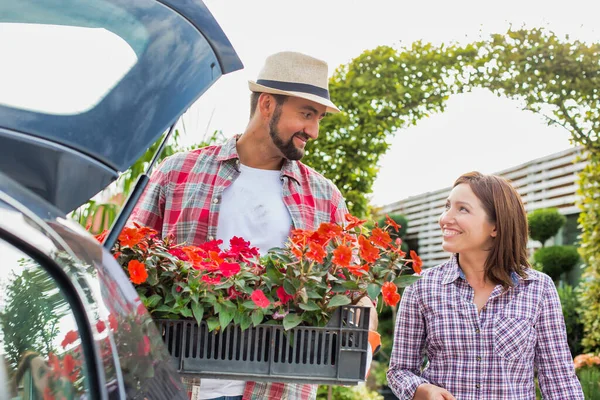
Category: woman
[484,319]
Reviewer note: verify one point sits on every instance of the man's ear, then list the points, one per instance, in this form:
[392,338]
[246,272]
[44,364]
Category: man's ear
[266,105]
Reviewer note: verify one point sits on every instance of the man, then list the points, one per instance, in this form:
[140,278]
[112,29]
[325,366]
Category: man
[253,186]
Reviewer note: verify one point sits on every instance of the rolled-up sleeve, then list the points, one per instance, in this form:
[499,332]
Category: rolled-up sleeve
[404,374]
[556,373]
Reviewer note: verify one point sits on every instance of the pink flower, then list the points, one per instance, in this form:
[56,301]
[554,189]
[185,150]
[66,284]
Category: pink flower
[259,298]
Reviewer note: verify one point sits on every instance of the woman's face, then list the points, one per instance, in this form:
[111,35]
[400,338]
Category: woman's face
[465,224]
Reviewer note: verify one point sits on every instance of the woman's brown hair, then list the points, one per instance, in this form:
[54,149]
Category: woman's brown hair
[504,208]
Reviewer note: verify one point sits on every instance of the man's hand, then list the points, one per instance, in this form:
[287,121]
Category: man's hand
[427,391]
[373,318]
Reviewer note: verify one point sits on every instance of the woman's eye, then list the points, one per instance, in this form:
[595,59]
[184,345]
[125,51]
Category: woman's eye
[464,209]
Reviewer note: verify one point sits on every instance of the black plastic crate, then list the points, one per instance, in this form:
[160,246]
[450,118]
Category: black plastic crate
[335,354]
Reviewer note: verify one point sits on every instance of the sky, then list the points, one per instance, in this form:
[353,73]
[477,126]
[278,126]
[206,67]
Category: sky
[477,131]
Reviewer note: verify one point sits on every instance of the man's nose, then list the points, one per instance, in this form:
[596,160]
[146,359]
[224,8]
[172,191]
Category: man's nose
[312,129]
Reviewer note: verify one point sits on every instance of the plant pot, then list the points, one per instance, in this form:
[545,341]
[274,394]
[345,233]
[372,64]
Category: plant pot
[334,355]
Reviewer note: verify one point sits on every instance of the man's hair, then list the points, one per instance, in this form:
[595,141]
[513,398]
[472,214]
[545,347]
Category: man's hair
[279,98]
[504,208]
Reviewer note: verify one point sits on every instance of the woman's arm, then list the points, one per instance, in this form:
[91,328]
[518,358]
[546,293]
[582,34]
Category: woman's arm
[404,374]
[556,373]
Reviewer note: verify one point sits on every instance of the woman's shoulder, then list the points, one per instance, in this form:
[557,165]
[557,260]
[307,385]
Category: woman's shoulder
[436,275]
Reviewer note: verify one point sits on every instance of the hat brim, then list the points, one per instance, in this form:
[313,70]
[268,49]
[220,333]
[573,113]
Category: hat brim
[331,108]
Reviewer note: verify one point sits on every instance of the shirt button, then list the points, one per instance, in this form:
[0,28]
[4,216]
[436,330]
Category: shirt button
[215,200]
[229,178]
[478,386]
[476,330]
[478,358]
[211,238]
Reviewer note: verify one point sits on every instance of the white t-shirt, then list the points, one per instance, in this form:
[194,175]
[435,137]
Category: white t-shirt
[252,207]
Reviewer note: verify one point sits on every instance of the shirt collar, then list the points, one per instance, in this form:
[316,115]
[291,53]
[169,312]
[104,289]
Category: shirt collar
[229,152]
[454,272]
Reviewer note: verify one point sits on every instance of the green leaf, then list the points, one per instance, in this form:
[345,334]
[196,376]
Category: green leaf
[245,321]
[406,280]
[213,323]
[289,288]
[152,301]
[225,317]
[186,312]
[257,317]
[198,312]
[291,320]
[313,295]
[350,285]
[310,306]
[338,300]
[373,290]
[249,304]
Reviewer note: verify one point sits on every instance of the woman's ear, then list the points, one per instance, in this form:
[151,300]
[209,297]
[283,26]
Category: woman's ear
[494,232]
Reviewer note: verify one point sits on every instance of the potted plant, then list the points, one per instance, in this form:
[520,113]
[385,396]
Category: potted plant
[318,274]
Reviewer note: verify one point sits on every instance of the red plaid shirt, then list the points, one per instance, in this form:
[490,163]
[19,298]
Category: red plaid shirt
[183,199]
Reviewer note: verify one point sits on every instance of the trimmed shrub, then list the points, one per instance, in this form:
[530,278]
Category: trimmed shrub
[556,259]
[545,223]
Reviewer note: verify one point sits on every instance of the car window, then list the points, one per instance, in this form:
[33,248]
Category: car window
[65,63]
[39,343]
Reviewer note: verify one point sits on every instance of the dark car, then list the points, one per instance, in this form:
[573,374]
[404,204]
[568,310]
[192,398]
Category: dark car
[87,87]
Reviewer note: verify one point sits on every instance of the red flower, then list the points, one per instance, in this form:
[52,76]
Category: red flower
[144,346]
[381,238]
[390,294]
[137,272]
[213,245]
[70,337]
[259,298]
[112,322]
[392,223]
[100,326]
[68,370]
[179,253]
[353,222]
[229,269]
[368,252]
[342,256]
[316,252]
[102,236]
[416,262]
[283,295]
[233,294]
[211,281]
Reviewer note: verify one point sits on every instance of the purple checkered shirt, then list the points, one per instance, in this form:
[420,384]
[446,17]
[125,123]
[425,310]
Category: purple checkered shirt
[488,356]
[183,200]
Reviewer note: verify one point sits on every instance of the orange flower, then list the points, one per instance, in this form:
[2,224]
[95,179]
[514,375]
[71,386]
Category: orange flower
[368,252]
[417,263]
[353,222]
[330,230]
[316,252]
[381,238]
[342,256]
[390,294]
[392,223]
[398,248]
[137,272]
[298,237]
[129,237]
[359,270]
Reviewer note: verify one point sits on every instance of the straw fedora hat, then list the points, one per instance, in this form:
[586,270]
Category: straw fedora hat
[295,74]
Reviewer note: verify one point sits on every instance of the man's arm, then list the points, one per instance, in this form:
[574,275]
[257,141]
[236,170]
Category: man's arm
[151,207]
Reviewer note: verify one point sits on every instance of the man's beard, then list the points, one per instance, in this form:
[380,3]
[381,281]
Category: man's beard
[288,149]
